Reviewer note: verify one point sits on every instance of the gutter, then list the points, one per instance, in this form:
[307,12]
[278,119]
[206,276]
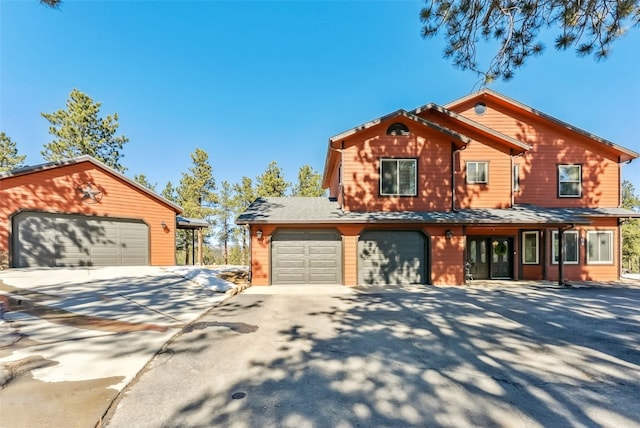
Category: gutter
[453,174]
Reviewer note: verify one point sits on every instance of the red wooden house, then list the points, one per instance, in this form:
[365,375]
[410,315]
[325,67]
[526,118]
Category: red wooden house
[482,188]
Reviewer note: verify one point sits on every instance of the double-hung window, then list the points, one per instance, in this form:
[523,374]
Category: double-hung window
[600,247]
[398,177]
[530,243]
[570,238]
[569,181]
[477,172]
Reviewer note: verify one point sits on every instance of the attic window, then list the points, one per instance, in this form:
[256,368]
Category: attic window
[398,129]
[480,108]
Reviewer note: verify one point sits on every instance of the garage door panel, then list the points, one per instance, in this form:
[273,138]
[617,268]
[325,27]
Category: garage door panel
[47,239]
[306,257]
[391,257]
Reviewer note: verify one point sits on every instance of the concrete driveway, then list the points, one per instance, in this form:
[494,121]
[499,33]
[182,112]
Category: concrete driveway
[72,339]
[434,356]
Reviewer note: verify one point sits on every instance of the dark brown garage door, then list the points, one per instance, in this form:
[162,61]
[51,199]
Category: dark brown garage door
[46,239]
[306,257]
[391,257]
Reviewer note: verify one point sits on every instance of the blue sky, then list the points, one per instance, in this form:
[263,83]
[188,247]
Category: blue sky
[252,82]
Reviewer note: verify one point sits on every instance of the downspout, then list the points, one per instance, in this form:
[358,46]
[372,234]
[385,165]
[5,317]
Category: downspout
[561,231]
[250,255]
[341,174]
[453,173]
[513,177]
[340,194]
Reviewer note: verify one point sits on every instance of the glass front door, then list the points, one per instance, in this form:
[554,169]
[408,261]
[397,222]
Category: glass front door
[490,258]
[501,258]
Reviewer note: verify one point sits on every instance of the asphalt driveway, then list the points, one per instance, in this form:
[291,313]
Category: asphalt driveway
[73,338]
[435,356]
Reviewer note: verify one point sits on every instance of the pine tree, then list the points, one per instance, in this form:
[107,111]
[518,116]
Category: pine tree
[225,213]
[630,228]
[142,179]
[79,130]
[245,194]
[9,157]
[196,194]
[309,183]
[515,28]
[272,182]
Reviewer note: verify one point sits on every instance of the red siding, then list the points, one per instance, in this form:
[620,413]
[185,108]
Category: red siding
[361,170]
[55,190]
[552,145]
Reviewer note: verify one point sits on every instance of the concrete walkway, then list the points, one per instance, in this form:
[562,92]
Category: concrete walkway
[72,339]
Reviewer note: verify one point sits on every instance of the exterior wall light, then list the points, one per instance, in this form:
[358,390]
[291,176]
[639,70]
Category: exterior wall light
[163,224]
[448,234]
[259,234]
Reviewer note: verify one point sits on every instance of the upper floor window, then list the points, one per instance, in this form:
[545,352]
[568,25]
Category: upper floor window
[398,177]
[477,172]
[570,240]
[516,177]
[570,180]
[398,129]
[600,247]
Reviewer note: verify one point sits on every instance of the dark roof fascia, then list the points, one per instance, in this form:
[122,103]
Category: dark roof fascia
[630,154]
[86,158]
[403,113]
[191,223]
[442,110]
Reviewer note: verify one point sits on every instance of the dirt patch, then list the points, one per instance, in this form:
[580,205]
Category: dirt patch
[238,277]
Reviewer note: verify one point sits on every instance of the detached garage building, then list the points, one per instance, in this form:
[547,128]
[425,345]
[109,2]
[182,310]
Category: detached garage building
[81,212]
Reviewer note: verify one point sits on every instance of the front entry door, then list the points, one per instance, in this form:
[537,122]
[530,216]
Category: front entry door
[490,258]
[478,258]
[500,258]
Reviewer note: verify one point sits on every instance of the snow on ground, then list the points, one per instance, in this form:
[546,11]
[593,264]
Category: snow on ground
[631,275]
[207,276]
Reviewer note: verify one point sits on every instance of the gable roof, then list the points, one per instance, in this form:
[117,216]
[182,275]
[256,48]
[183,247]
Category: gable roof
[624,154]
[402,113]
[413,116]
[34,169]
[509,141]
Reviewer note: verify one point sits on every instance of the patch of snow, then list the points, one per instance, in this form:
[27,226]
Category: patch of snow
[207,276]
[631,275]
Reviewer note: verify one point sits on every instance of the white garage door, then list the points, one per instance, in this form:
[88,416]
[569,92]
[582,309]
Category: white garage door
[391,257]
[46,239]
[306,257]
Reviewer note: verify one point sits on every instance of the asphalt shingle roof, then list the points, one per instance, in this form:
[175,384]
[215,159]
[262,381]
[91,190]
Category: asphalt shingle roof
[300,210]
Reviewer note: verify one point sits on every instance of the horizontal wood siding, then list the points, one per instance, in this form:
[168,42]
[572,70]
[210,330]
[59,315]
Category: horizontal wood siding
[447,256]
[497,192]
[585,271]
[553,144]
[56,190]
[361,170]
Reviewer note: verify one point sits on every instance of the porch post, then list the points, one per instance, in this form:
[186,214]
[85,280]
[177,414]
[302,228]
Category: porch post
[560,256]
[200,255]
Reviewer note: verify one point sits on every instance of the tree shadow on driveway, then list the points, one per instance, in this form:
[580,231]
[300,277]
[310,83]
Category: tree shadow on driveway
[444,356]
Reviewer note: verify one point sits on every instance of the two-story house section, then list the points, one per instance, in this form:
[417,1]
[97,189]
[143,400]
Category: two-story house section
[482,188]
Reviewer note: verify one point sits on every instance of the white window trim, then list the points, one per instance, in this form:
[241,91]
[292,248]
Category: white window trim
[579,195]
[486,165]
[537,235]
[415,176]
[554,237]
[598,262]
